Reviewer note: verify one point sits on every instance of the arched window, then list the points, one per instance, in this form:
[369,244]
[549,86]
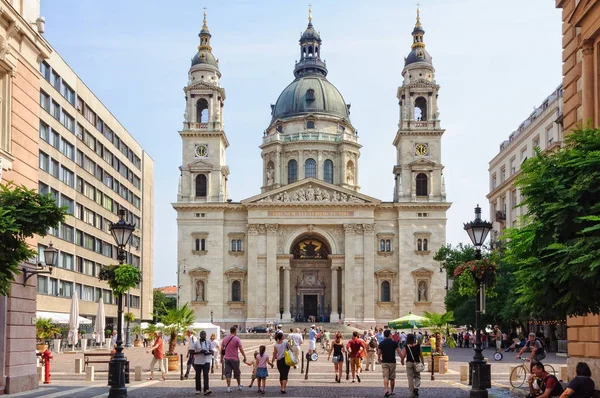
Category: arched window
[388,246]
[292,171]
[200,245]
[382,245]
[425,245]
[421,184]
[328,171]
[197,246]
[421,108]
[236,291]
[385,291]
[233,245]
[310,168]
[419,245]
[202,110]
[201,185]
[239,245]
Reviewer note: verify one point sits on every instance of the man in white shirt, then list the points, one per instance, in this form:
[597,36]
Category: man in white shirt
[191,339]
[202,357]
[296,340]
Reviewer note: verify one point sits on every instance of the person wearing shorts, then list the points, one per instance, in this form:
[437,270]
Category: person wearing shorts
[231,345]
[498,337]
[355,348]
[312,339]
[386,354]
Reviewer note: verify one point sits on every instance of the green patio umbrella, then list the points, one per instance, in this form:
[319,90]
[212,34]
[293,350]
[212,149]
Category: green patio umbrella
[407,322]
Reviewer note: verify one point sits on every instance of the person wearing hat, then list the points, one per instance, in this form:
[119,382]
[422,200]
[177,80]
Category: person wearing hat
[312,339]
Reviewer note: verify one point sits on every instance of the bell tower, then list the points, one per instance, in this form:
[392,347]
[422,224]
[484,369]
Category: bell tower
[418,170]
[204,170]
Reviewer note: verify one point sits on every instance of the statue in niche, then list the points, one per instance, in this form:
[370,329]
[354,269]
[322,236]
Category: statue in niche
[423,291]
[270,175]
[185,115]
[349,175]
[199,290]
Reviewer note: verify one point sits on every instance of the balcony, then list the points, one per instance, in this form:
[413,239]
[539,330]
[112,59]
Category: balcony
[201,126]
[310,136]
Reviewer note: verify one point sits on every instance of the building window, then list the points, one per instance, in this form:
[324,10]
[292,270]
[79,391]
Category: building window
[55,110]
[55,80]
[494,181]
[382,245]
[45,70]
[513,166]
[67,121]
[236,291]
[202,111]
[67,149]
[200,245]
[549,136]
[388,245]
[44,161]
[45,101]
[67,176]
[310,168]
[292,171]
[310,125]
[236,245]
[385,291]
[328,171]
[201,185]
[536,142]
[42,285]
[419,244]
[421,184]
[502,174]
[422,244]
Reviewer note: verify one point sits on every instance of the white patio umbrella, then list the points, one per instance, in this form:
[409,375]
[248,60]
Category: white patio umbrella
[74,320]
[100,323]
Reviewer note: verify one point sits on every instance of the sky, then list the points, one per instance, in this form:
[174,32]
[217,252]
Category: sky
[494,60]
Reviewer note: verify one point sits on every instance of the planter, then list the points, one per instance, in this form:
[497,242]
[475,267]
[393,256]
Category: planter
[173,363]
[436,363]
[137,343]
[83,344]
[41,347]
[57,343]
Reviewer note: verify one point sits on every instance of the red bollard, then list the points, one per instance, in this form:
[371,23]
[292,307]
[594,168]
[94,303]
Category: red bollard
[46,357]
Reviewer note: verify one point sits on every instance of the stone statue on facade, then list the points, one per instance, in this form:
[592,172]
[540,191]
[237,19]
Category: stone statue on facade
[270,175]
[199,290]
[349,175]
[310,194]
[422,291]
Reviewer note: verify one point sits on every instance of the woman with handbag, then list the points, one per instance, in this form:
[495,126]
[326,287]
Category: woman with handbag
[279,350]
[414,364]
[337,347]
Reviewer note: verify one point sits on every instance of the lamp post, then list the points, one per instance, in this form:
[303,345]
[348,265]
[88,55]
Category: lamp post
[211,316]
[480,371]
[121,232]
[50,259]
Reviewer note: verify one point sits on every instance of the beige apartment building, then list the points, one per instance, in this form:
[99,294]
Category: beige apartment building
[543,130]
[91,164]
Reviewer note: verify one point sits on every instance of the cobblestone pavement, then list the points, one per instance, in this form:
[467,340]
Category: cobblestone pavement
[320,383]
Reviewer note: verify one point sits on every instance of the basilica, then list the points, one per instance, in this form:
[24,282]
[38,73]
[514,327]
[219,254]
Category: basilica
[310,246]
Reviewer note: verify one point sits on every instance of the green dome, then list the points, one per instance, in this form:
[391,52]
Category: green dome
[205,57]
[297,100]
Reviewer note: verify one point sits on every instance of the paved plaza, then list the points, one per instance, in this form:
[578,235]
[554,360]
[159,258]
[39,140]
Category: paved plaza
[320,383]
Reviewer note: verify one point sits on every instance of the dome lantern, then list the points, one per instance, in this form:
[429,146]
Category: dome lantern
[418,53]
[310,52]
[205,55]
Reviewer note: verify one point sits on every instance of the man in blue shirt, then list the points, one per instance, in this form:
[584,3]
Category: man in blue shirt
[312,339]
[380,336]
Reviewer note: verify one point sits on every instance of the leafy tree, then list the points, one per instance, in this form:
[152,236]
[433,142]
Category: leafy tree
[23,214]
[440,323]
[557,250]
[162,303]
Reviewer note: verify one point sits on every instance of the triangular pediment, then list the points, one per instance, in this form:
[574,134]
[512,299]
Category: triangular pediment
[423,272]
[200,164]
[385,272]
[235,271]
[421,162]
[198,271]
[206,86]
[311,191]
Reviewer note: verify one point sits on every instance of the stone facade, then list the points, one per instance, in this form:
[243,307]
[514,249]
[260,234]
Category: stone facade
[580,42]
[310,245]
[21,48]
[581,38]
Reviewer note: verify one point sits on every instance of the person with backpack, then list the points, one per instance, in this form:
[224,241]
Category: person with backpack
[371,349]
[549,384]
[536,347]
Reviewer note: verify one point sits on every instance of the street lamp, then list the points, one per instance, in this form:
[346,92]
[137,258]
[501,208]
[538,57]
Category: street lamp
[121,232]
[480,371]
[50,258]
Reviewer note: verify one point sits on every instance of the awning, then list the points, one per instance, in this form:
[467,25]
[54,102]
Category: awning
[60,318]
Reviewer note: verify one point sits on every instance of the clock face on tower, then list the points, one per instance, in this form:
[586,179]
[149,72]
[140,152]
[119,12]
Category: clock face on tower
[201,151]
[421,150]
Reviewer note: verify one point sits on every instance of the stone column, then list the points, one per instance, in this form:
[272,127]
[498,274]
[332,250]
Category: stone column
[369,273]
[335,317]
[287,316]
[320,175]
[349,307]
[278,168]
[300,164]
[272,277]
[252,305]
[588,82]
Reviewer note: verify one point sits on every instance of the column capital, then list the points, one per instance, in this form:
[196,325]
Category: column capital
[252,229]
[272,229]
[588,47]
[369,229]
[349,228]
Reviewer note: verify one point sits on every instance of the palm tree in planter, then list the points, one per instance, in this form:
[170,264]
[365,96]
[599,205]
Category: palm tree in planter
[439,325]
[44,330]
[175,321]
[137,330]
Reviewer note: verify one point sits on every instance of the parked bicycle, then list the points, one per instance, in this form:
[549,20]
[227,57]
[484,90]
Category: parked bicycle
[519,375]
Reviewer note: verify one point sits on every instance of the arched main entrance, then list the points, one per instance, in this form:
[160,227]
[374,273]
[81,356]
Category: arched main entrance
[311,279]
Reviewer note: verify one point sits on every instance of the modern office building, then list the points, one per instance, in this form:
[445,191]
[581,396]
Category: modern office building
[91,164]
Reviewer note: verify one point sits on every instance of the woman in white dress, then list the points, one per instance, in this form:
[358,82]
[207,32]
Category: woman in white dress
[216,349]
